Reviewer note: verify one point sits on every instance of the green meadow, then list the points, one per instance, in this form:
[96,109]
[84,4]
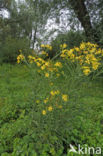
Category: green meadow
[25,131]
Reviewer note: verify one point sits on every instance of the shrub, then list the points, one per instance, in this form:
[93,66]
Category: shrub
[72,39]
[10,49]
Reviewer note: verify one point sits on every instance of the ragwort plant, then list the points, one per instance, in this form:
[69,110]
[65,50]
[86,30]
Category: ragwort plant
[59,108]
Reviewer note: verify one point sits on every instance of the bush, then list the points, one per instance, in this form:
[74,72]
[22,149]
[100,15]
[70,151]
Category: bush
[72,39]
[10,49]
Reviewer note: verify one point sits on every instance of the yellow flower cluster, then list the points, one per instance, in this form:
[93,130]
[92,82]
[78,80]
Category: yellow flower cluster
[49,47]
[50,108]
[65,97]
[45,65]
[53,93]
[20,58]
[63,46]
[88,55]
[58,64]
[54,104]
[44,53]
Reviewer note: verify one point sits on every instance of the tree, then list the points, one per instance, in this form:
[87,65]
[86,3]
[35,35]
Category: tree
[83,12]
[5,4]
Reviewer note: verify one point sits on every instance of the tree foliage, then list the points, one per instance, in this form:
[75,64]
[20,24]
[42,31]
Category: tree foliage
[27,19]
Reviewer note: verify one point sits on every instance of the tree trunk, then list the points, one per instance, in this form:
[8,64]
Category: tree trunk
[34,37]
[82,14]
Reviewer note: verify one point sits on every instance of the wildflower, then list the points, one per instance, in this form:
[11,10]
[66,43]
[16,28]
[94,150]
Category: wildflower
[20,57]
[43,67]
[38,64]
[63,46]
[57,74]
[58,64]
[48,46]
[57,92]
[43,112]
[86,70]
[51,83]
[37,101]
[50,108]
[20,50]
[85,52]
[46,100]
[95,65]
[44,53]
[47,63]
[18,61]
[70,52]
[46,74]
[39,71]
[63,55]
[99,51]
[72,56]
[77,49]
[82,46]
[52,93]
[42,45]
[65,97]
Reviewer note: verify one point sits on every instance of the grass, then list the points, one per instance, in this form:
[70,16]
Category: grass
[19,89]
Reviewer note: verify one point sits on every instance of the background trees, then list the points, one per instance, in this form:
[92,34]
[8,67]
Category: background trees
[31,20]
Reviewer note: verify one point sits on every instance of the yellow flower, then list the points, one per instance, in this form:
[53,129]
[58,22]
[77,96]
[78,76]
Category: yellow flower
[85,52]
[38,64]
[47,63]
[43,67]
[37,101]
[46,100]
[31,61]
[20,50]
[57,92]
[44,53]
[43,112]
[95,65]
[82,46]
[57,75]
[42,45]
[50,108]
[77,49]
[20,57]
[39,71]
[70,52]
[86,70]
[18,61]
[52,93]
[63,55]
[72,56]
[48,46]
[58,64]
[63,46]
[65,97]
[51,83]
[46,74]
